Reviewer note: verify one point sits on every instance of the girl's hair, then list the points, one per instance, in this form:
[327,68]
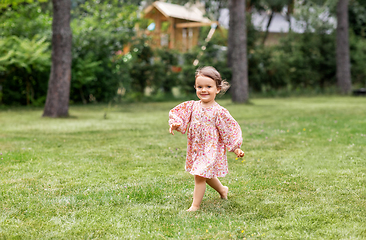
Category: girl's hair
[212,73]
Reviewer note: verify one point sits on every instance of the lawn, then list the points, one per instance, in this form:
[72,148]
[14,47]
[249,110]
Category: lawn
[122,177]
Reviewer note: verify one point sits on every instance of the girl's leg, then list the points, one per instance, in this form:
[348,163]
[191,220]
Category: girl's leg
[216,184]
[199,191]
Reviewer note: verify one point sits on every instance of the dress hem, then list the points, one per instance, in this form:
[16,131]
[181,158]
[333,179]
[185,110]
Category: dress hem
[213,176]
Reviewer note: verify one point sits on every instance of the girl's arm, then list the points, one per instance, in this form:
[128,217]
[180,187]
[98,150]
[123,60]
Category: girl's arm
[230,132]
[180,117]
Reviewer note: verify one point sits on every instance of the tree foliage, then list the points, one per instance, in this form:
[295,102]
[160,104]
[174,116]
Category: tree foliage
[15,3]
[357,17]
[26,21]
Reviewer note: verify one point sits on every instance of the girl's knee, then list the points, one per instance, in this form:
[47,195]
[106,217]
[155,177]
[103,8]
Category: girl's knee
[199,178]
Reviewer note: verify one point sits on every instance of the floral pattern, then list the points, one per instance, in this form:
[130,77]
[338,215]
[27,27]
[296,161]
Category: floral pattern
[210,131]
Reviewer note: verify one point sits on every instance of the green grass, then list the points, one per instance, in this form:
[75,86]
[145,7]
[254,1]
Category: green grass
[86,177]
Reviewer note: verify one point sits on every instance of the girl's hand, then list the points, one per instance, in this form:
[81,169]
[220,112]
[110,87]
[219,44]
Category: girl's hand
[173,127]
[239,153]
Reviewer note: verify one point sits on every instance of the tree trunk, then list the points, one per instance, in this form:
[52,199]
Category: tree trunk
[237,51]
[57,102]
[343,58]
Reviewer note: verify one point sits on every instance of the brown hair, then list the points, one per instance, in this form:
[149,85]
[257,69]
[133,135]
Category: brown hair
[212,73]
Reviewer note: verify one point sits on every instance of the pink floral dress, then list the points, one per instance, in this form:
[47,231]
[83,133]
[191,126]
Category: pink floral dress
[211,130]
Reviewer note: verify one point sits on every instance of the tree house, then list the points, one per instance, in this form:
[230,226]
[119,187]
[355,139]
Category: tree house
[182,25]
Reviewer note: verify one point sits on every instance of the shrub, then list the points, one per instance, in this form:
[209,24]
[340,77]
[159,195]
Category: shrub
[100,32]
[299,61]
[358,59]
[25,70]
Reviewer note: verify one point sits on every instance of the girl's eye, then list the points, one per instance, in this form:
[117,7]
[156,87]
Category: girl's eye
[208,86]
[199,87]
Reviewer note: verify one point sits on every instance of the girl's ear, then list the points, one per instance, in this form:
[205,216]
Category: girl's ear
[218,90]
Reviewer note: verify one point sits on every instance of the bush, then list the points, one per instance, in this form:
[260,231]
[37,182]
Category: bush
[358,59]
[165,75]
[100,32]
[25,70]
[144,67]
[299,61]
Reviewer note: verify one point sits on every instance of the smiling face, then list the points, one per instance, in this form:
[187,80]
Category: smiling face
[206,90]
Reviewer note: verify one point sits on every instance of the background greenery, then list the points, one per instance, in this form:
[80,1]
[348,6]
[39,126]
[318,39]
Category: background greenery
[87,177]
[301,63]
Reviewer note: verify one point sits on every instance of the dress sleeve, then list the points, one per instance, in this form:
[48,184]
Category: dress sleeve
[229,130]
[181,114]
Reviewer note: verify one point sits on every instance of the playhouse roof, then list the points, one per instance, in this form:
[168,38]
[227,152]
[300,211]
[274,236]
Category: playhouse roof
[191,13]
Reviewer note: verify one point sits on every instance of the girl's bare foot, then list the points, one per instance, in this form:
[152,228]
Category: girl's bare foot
[192,209]
[224,193]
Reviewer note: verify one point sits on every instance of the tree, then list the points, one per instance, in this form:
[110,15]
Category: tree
[237,51]
[57,102]
[342,48]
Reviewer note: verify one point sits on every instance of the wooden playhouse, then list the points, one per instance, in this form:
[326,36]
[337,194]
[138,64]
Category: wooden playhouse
[175,26]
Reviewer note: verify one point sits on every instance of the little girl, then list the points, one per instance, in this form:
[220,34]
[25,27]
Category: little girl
[211,130]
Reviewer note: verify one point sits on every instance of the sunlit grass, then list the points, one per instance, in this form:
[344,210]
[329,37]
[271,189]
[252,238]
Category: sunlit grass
[86,177]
